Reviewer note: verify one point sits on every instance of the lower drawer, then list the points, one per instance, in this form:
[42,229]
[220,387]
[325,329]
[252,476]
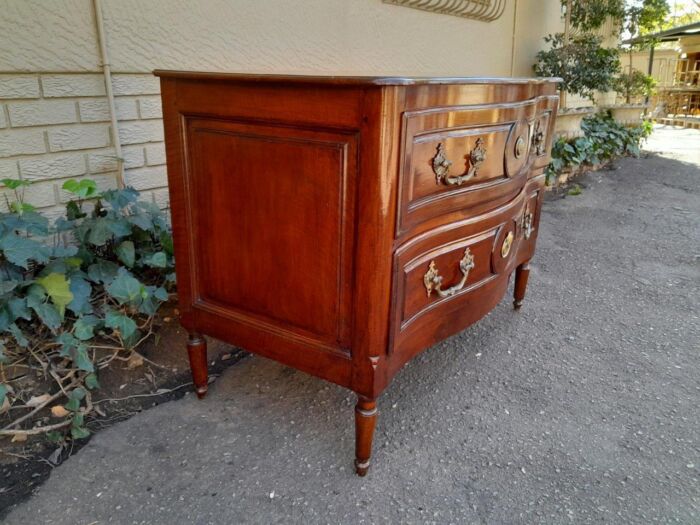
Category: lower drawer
[449,277]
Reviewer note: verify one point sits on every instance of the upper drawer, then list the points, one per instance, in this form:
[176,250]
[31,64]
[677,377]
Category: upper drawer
[458,157]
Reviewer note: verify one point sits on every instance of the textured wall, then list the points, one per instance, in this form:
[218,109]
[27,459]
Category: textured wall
[534,20]
[47,35]
[303,36]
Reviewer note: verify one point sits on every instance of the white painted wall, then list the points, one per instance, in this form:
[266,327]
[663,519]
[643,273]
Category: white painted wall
[54,122]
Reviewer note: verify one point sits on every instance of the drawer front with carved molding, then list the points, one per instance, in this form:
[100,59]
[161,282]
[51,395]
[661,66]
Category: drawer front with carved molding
[454,158]
[454,268]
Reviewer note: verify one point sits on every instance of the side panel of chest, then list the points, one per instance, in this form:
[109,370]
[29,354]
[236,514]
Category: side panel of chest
[264,187]
[274,206]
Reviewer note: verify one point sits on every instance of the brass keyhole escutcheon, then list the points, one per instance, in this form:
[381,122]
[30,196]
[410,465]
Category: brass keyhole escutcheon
[519,147]
[507,243]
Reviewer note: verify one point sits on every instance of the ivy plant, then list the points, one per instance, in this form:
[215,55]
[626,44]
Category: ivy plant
[74,293]
[603,139]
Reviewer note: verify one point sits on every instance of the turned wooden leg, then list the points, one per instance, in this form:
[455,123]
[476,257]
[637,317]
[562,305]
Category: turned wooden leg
[365,419]
[522,272]
[197,351]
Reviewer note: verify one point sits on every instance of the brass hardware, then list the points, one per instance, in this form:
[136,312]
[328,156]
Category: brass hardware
[527,224]
[441,165]
[538,140]
[507,243]
[433,281]
[519,147]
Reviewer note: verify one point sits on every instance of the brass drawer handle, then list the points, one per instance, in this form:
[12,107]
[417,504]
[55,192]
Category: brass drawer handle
[433,280]
[527,224]
[538,143]
[441,165]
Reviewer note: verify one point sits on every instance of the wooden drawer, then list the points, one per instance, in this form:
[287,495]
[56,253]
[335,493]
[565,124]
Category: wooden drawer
[457,158]
[445,279]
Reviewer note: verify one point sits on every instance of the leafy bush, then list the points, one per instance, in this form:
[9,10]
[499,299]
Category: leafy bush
[589,15]
[76,293]
[583,64]
[634,84]
[629,17]
[603,139]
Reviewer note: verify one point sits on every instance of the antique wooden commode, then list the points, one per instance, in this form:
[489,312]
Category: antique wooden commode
[340,225]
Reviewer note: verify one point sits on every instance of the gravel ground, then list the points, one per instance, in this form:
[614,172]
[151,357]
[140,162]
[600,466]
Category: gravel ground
[581,408]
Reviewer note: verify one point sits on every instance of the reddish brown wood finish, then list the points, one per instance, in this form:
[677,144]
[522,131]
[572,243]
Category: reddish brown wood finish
[306,212]
[365,421]
[522,273]
[197,353]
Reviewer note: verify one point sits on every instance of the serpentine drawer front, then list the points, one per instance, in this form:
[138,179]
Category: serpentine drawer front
[340,225]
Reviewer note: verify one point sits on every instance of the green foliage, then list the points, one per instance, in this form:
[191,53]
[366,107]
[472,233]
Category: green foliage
[589,15]
[645,16]
[634,84]
[632,17]
[92,280]
[583,64]
[603,139]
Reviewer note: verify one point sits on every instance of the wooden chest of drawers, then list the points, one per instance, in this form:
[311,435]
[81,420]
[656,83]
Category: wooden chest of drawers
[342,225]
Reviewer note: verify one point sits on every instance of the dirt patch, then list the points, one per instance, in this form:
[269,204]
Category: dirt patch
[163,376]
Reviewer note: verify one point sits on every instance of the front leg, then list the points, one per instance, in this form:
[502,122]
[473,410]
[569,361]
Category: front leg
[522,272]
[197,352]
[365,420]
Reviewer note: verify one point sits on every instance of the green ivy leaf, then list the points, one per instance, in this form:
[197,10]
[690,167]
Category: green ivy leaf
[79,432]
[18,308]
[18,335]
[84,327]
[126,253]
[125,288]
[141,220]
[161,294]
[78,393]
[48,315]
[3,394]
[35,223]
[68,342]
[118,321]
[6,286]
[64,251]
[19,250]
[100,231]
[155,260]
[119,199]
[120,227]
[81,291]
[102,271]
[81,359]
[91,381]
[58,288]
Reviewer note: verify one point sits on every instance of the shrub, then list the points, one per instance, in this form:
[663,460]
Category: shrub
[583,64]
[634,84]
[76,293]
